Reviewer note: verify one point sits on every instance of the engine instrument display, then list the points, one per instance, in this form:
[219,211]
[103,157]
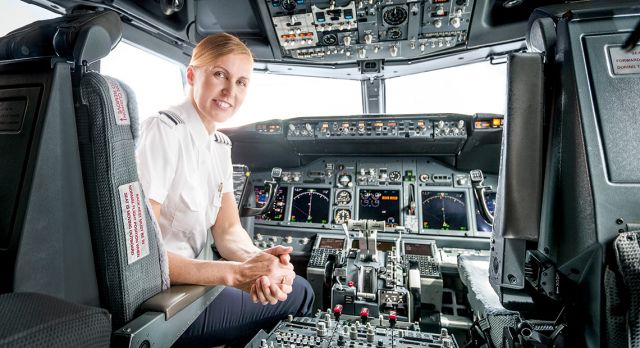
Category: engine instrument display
[381,245]
[482,224]
[418,249]
[444,211]
[380,205]
[277,211]
[331,243]
[310,205]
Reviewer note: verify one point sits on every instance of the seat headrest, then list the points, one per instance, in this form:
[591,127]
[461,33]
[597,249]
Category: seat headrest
[79,37]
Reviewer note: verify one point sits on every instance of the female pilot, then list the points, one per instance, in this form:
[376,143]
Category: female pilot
[185,169]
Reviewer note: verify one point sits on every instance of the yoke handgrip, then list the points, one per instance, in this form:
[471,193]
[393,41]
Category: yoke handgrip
[271,189]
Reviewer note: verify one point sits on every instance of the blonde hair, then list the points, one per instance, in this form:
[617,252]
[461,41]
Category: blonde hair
[216,46]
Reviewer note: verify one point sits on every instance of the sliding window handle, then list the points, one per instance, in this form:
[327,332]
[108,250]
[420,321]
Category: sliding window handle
[477,182]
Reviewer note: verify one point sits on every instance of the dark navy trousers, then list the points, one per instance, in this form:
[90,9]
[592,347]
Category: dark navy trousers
[233,319]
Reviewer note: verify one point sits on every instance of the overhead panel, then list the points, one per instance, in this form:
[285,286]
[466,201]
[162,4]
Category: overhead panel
[349,31]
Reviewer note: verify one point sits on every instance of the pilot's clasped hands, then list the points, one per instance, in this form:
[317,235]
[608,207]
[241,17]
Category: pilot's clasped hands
[267,276]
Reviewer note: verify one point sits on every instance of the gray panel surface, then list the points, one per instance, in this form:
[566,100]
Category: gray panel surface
[616,107]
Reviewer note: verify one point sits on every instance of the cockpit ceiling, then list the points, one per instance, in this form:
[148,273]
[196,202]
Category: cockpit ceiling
[359,36]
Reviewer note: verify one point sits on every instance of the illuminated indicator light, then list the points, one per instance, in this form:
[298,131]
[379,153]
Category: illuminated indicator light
[420,123]
[497,122]
[392,123]
[378,124]
[325,125]
[482,124]
[350,283]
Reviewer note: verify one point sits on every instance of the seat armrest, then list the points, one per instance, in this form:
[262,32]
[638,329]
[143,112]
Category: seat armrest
[174,299]
[165,317]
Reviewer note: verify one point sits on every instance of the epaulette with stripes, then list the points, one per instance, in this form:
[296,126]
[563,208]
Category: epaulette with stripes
[170,118]
[221,138]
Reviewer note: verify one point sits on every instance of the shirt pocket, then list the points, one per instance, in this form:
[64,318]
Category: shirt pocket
[189,215]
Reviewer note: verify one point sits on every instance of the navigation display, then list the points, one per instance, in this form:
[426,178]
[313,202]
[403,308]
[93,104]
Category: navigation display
[482,224]
[380,205]
[418,249]
[310,205]
[331,243]
[444,211]
[277,210]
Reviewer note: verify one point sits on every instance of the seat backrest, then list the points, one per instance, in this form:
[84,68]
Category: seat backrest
[125,239]
[519,193]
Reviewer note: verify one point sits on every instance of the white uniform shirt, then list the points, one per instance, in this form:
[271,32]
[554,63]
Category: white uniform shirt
[186,170]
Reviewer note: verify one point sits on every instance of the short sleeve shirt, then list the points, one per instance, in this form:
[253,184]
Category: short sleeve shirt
[186,170]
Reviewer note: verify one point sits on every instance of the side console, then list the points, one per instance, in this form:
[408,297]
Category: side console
[325,245]
[425,254]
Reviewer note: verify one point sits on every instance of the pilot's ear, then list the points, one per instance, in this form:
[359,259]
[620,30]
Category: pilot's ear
[191,71]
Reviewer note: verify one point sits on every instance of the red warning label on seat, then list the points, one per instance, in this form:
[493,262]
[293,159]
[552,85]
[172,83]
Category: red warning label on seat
[135,225]
[119,102]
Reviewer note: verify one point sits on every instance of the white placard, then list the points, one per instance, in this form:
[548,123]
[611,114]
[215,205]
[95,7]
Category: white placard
[119,102]
[624,62]
[135,225]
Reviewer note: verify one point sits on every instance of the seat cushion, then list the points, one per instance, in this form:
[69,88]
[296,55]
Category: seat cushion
[37,320]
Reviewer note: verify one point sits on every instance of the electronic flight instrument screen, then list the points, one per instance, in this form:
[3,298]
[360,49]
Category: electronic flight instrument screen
[482,224]
[381,245]
[444,211]
[418,249]
[277,211]
[331,243]
[310,205]
[380,205]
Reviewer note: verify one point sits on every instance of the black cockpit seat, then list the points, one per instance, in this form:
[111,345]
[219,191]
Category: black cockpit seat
[570,258]
[130,277]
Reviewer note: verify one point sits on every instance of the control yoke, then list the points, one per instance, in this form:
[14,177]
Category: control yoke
[271,189]
[477,182]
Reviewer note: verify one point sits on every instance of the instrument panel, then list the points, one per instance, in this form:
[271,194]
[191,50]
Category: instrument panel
[417,195]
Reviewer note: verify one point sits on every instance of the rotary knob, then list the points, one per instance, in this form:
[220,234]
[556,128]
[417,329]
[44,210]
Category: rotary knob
[308,127]
[455,22]
[258,236]
[461,124]
[368,38]
[346,40]
[437,23]
[288,239]
[304,241]
[321,329]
